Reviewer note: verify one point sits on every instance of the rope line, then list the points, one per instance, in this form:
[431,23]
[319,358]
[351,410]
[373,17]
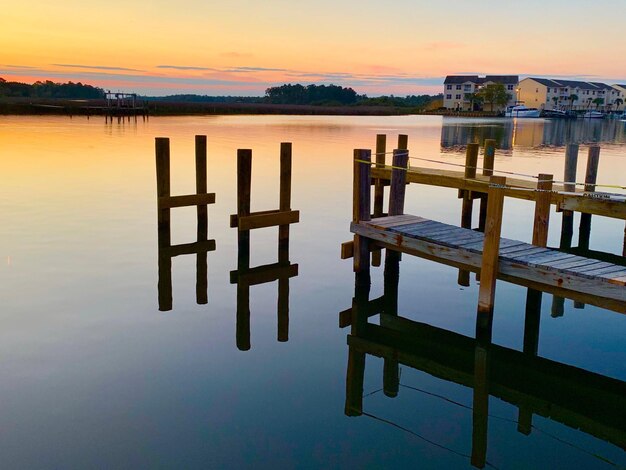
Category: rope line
[593,194]
[461,165]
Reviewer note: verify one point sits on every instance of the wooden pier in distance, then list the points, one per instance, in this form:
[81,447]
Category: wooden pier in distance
[586,280]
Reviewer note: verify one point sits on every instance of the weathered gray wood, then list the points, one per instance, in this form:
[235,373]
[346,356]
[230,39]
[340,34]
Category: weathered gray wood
[362,206]
[567,222]
[379,187]
[488,165]
[471,161]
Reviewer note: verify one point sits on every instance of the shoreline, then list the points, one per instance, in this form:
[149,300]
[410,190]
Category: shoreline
[64,107]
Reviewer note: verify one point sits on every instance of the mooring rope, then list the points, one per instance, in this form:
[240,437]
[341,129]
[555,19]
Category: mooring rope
[573,183]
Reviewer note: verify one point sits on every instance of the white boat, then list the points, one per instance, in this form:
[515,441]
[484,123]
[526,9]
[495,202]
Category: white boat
[521,111]
[594,115]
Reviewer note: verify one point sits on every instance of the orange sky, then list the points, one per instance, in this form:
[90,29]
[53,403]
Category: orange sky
[242,47]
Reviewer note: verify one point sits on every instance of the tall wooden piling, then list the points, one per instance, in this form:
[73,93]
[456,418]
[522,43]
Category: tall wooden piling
[591,175]
[471,162]
[491,247]
[391,369]
[203,220]
[397,189]
[244,187]
[379,188]
[542,210]
[569,176]
[285,196]
[361,205]
[488,166]
[162,152]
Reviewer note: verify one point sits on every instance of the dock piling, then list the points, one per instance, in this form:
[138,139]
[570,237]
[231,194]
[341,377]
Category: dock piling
[591,175]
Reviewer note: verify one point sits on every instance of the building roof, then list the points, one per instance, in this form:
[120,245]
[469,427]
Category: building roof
[457,79]
[451,79]
[558,83]
[621,86]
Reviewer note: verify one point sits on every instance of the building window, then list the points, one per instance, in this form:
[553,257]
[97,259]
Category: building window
[458,87]
[509,87]
[448,87]
[448,97]
[458,97]
[548,90]
[467,87]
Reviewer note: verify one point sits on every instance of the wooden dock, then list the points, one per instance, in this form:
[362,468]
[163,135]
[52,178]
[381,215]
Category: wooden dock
[584,279]
[519,262]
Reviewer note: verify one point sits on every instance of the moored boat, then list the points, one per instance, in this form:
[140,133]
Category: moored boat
[521,111]
[594,115]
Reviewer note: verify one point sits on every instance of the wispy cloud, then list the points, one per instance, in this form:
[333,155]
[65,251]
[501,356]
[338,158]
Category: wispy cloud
[253,69]
[97,67]
[25,67]
[186,67]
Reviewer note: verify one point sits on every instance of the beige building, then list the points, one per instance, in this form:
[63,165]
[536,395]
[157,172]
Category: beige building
[621,90]
[456,89]
[546,93]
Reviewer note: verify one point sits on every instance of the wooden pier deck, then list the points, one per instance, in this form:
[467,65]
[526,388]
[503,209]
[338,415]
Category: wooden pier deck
[585,280]
[521,261]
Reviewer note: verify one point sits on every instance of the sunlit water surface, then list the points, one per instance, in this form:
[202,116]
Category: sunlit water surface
[93,375]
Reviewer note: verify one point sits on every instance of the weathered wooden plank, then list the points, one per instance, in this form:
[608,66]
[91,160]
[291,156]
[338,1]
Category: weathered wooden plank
[186,200]
[396,220]
[549,258]
[576,261]
[519,255]
[612,271]
[599,291]
[614,275]
[457,238]
[416,227]
[250,222]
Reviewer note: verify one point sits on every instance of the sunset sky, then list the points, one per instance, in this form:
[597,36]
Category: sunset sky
[241,47]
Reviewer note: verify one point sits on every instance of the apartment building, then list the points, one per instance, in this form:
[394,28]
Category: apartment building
[456,89]
[547,93]
[621,90]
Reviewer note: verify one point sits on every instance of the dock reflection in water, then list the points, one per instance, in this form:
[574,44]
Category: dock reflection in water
[530,133]
[580,399]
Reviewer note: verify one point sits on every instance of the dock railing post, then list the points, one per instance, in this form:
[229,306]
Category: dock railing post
[542,210]
[488,165]
[569,176]
[285,198]
[491,247]
[591,175]
[379,188]
[361,204]
[162,151]
[471,161]
[397,189]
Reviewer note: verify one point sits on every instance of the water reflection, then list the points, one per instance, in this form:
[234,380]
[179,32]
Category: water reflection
[590,402]
[531,133]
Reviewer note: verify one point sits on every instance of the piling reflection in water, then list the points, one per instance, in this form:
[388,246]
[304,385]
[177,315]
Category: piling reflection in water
[580,399]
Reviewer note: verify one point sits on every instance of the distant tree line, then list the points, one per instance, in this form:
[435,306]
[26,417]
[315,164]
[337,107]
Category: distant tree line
[330,95]
[187,98]
[289,94]
[48,89]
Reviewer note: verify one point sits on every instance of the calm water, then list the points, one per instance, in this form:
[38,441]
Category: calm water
[93,375]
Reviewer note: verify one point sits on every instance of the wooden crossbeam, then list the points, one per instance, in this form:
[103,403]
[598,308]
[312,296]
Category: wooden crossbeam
[262,274]
[264,219]
[186,200]
[202,246]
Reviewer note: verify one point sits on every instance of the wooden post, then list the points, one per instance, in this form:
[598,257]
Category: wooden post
[285,196]
[403,142]
[471,161]
[283,296]
[361,209]
[203,221]
[571,160]
[164,285]
[162,151]
[397,189]
[244,186]
[591,175]
[542,210]
[480,413]
[355,375]
[531,347]
[488,165]
[567,220]
[379,188]
[491,246]
[391,370]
